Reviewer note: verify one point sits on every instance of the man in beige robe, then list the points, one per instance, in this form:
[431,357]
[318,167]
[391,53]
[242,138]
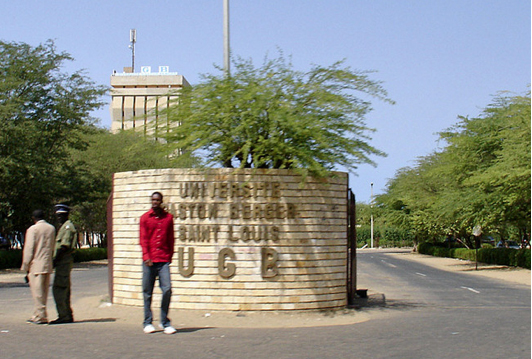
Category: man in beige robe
[37,263]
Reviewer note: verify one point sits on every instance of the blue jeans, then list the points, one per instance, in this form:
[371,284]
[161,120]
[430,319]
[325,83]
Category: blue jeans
[149,274]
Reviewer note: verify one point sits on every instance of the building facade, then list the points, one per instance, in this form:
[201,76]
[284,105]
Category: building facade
[138,99]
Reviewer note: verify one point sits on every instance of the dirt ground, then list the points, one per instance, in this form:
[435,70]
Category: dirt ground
[97,308]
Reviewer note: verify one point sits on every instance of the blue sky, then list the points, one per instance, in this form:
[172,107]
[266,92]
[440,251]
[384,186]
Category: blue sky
[437,59]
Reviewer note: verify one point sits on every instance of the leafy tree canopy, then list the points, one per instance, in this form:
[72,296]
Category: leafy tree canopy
[43,113]
[276,117]
[107,153]
[481,177]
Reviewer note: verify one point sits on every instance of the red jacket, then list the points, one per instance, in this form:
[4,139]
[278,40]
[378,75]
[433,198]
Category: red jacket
[157,236]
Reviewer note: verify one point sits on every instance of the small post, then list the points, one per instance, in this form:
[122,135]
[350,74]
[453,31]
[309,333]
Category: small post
[371,210]
[477,232]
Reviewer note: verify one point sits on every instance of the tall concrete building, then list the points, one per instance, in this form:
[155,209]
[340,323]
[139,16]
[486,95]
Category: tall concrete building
[137,99]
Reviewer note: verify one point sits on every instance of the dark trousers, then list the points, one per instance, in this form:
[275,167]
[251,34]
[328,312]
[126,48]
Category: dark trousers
[61,290]
[149,275]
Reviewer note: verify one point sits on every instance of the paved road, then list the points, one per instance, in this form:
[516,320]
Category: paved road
[416,312]
[441,314]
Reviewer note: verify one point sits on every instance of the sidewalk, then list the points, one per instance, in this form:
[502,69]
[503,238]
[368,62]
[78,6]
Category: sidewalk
[96,307]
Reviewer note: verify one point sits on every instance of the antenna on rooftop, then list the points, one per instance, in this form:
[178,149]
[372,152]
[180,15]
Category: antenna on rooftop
[132,41]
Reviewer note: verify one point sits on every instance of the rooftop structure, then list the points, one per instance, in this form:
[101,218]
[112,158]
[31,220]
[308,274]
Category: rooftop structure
[138,98]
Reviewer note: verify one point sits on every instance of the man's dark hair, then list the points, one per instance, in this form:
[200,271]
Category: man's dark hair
[157,193]
[38,214]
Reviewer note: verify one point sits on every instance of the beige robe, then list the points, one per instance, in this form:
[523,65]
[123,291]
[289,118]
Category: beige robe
[37,262]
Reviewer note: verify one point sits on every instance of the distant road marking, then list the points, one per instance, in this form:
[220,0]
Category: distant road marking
[471,289]
[421,274]
[391,265]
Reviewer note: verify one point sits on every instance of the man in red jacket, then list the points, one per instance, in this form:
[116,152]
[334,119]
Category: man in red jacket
[157,242]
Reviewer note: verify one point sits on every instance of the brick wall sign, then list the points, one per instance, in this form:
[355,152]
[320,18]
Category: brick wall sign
[245,240]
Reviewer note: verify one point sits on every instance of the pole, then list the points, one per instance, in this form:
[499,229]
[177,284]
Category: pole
[133,57]
[477,232]
[132,40]
[226,38]
[371,208]
[476,257]
[352,249]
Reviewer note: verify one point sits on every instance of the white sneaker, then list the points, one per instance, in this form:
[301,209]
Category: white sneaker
[168,330]
[148,329]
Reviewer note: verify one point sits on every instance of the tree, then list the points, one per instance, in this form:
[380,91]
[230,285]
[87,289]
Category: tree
[481,177]
[411,196]
[276,117]
[93,167]
[492,152]
[43,113]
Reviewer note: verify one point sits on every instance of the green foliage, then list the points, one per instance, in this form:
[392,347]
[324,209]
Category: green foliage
[276,117]
[108,153]
[521,258]
[384,237]
[467,254]
[384,234]
[50,147]
[481,177]
[500,256]
[89,254]
[424,248]
[13,258]
[10,259]
[105,154]
[43,114]
[364,235]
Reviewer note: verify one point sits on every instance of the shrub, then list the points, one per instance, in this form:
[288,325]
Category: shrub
[502,256]
[10,259]
[384,236]
[363,236]
[521,258]
[464,253]
[13,258]
[424,248]
[89,254]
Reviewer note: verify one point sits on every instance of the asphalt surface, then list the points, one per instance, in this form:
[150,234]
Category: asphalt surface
[413,311]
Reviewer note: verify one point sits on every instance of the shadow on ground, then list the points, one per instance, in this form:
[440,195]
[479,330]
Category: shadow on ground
[13,285]
[98,320]
[379,300]
[191,330]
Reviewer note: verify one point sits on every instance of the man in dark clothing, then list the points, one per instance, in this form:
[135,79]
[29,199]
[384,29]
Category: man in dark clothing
[63,261]
[157,242]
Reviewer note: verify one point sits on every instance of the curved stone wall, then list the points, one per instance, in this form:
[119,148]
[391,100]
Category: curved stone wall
[245,239]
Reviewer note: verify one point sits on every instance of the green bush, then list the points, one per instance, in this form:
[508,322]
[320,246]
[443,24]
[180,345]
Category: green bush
[364,235]
[424,248]
[502,256]
[13,258]
[464,253]
[10,259]
[89,254]
[521,258]
[384,236]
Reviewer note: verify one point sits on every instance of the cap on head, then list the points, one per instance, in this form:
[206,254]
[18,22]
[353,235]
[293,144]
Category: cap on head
[62,208]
